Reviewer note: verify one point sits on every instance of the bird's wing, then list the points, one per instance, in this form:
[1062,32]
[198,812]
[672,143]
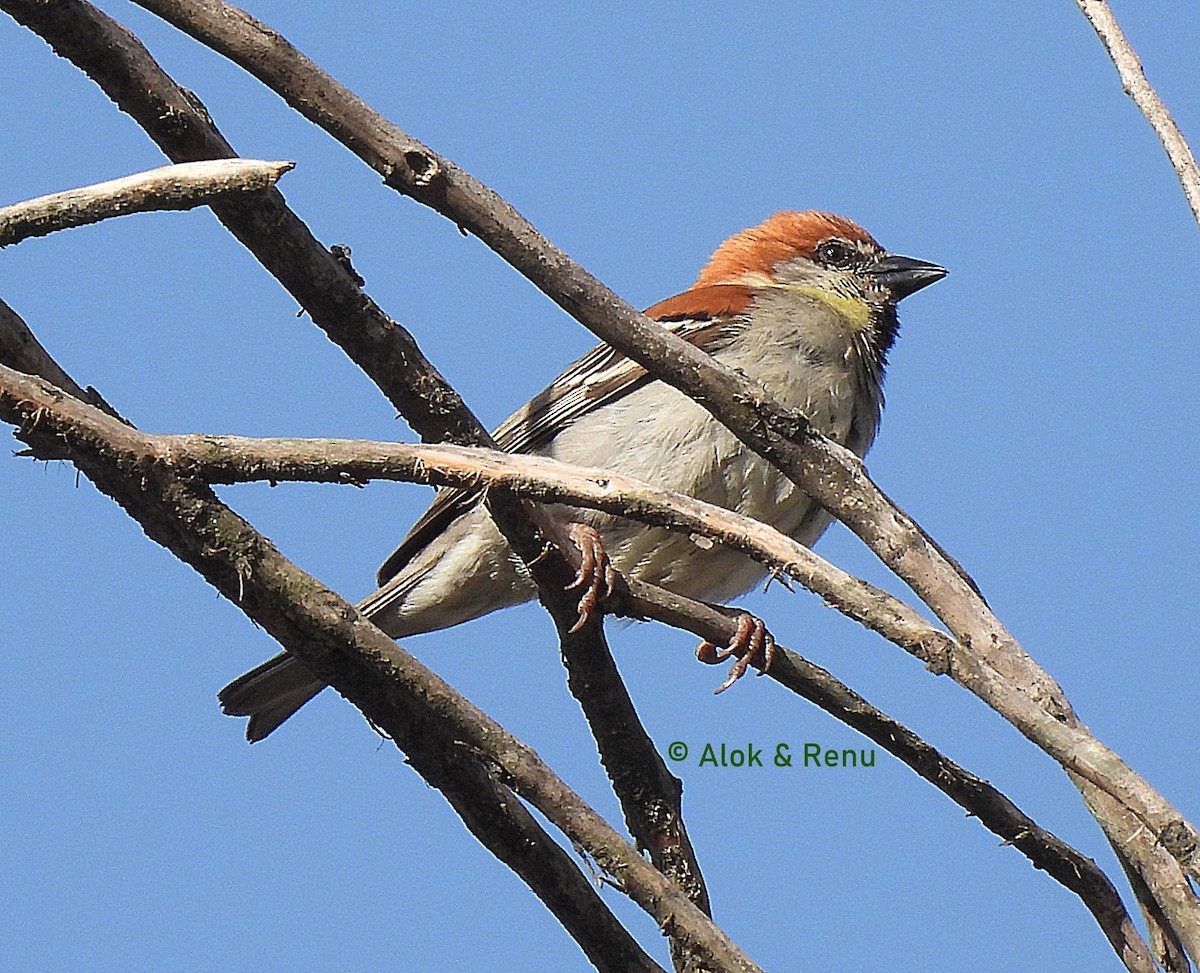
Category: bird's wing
[708,317]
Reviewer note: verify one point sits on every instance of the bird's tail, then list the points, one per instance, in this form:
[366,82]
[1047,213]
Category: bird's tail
[272,692]
[269,694]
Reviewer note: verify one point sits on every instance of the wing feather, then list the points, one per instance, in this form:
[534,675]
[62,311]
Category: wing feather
[709,317]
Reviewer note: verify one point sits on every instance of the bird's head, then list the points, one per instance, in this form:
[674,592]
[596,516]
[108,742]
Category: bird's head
[819,252]
[815,254]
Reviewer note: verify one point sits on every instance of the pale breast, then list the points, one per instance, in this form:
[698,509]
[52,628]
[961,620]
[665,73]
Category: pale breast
[659,435]
[799,349]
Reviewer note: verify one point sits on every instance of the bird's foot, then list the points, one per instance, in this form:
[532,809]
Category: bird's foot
[596,575]
[751,643]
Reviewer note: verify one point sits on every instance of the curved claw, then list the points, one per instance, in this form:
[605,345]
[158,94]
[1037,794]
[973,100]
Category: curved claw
[751,643]
[596,575]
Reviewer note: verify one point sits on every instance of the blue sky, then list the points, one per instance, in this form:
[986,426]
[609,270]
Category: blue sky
[1040,423]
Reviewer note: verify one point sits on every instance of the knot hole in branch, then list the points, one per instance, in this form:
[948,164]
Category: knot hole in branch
[424,167]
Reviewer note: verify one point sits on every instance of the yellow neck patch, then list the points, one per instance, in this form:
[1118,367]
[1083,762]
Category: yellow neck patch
[855,311]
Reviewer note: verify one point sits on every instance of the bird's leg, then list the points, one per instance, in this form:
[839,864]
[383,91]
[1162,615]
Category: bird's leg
[596,575]
[751,643]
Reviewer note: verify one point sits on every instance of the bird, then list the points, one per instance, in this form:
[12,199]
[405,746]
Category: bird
[803,303]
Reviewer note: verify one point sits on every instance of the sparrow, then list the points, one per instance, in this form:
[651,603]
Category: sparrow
[805,304]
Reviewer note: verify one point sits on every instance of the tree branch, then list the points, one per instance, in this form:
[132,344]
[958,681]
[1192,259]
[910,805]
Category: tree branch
[443,735]
[176,120]
[389,355]
[232,459]
[649,794]
[830,474]
[225,459]
[178,187]
[1133,80]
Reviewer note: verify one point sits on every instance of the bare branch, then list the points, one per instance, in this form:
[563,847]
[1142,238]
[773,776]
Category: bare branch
[437,729]
[20,349]
[1133,79]
[649,794]
[828,473]
[835,478]
[383,349]
[178,187]
[190,456]
[232,459]
[219,458]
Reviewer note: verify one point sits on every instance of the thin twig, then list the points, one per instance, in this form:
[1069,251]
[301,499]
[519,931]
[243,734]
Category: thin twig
[1133,79]
[649,794]
[176,187]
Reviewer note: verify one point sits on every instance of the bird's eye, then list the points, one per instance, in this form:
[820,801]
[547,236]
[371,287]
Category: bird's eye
[836,253]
